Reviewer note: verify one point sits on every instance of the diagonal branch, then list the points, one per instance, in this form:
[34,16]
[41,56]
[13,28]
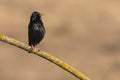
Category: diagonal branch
[45,55]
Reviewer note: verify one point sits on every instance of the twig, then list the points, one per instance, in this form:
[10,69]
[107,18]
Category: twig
[45,55]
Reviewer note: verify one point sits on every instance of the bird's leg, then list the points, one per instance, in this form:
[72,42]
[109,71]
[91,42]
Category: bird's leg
[35,49]
[31,49]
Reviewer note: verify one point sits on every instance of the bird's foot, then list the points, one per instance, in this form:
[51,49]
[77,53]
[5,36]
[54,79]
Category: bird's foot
[31,49]
[36,49]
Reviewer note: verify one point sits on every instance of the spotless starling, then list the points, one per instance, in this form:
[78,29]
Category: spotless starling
[36,30]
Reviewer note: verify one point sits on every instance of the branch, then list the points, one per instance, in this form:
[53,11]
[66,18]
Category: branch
[45,55]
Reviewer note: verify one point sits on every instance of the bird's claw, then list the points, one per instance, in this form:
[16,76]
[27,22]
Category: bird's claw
[33,49]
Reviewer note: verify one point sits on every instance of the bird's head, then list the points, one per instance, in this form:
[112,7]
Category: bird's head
[36,16]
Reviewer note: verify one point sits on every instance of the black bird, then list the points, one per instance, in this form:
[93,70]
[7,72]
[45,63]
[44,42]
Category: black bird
[36,30]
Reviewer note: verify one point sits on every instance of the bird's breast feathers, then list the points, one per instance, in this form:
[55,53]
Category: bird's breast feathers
[38,28]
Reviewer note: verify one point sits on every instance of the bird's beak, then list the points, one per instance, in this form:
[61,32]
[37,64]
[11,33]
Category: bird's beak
[42,14]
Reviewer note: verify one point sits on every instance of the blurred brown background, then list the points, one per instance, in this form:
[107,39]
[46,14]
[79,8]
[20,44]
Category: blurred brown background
[83,33]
